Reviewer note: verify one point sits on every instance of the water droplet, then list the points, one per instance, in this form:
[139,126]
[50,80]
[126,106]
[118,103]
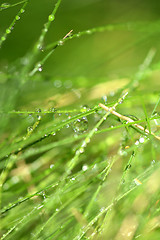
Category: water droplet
[30,119]
[5,5]
[77,152]
[80,125]
[84,144]
[121,101]
[38,110]
[87,139]
[29,129]
[40,69]
[123,181]
[57,209]
[43,194]
[41,48]
[17,17]
[52,109]
[68,84]
[122,152]
[60,43]
[22,10]
[137,142]
[51,18]
[57,83]
[153,162]
[141,140]
[38,117]
[39,207]
[85,108]
[45,29]
[8,30]
[84,167]
[137,182]
[3,38]
[81,150]
[102,209]
[51,166]
[128,167]
[88,31]
[67,125]
[155,114]
[15,179]
[104,99]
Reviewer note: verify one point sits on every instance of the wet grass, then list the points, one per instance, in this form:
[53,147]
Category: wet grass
[72,168]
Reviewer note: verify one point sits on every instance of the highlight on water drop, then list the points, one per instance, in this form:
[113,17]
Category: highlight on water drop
[80,125]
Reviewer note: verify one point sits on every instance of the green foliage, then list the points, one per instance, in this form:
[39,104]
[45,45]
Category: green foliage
[69,169]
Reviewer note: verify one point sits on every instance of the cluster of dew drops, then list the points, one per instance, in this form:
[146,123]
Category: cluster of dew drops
[79,125]
[17,17]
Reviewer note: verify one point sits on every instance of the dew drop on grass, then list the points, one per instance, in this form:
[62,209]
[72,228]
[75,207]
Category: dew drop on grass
[86,107]
[51,18]
[30,119]
[141,140]
[123,181]
[38,117]
[17,17]
[121,101]
[8,30]
[60,43]
[45,29]
[29,129]
[51,166]
[40,48]
[128,167]
[22,10]
[38,110]
[40,69]
[39,207]
[4,5]
[84,167]
[88,31]
[81,150]
[3,38]
[57,83]
[53,110]
[104,99]
[155,114]
[80,125]
[102,209]
[122,152]
[68,84]
[137,142]
[87,140]
[153,162]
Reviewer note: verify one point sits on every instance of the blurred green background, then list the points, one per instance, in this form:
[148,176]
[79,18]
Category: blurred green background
[108,54]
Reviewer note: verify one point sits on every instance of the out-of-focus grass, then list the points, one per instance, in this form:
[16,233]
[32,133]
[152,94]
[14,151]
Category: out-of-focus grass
[70,170]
